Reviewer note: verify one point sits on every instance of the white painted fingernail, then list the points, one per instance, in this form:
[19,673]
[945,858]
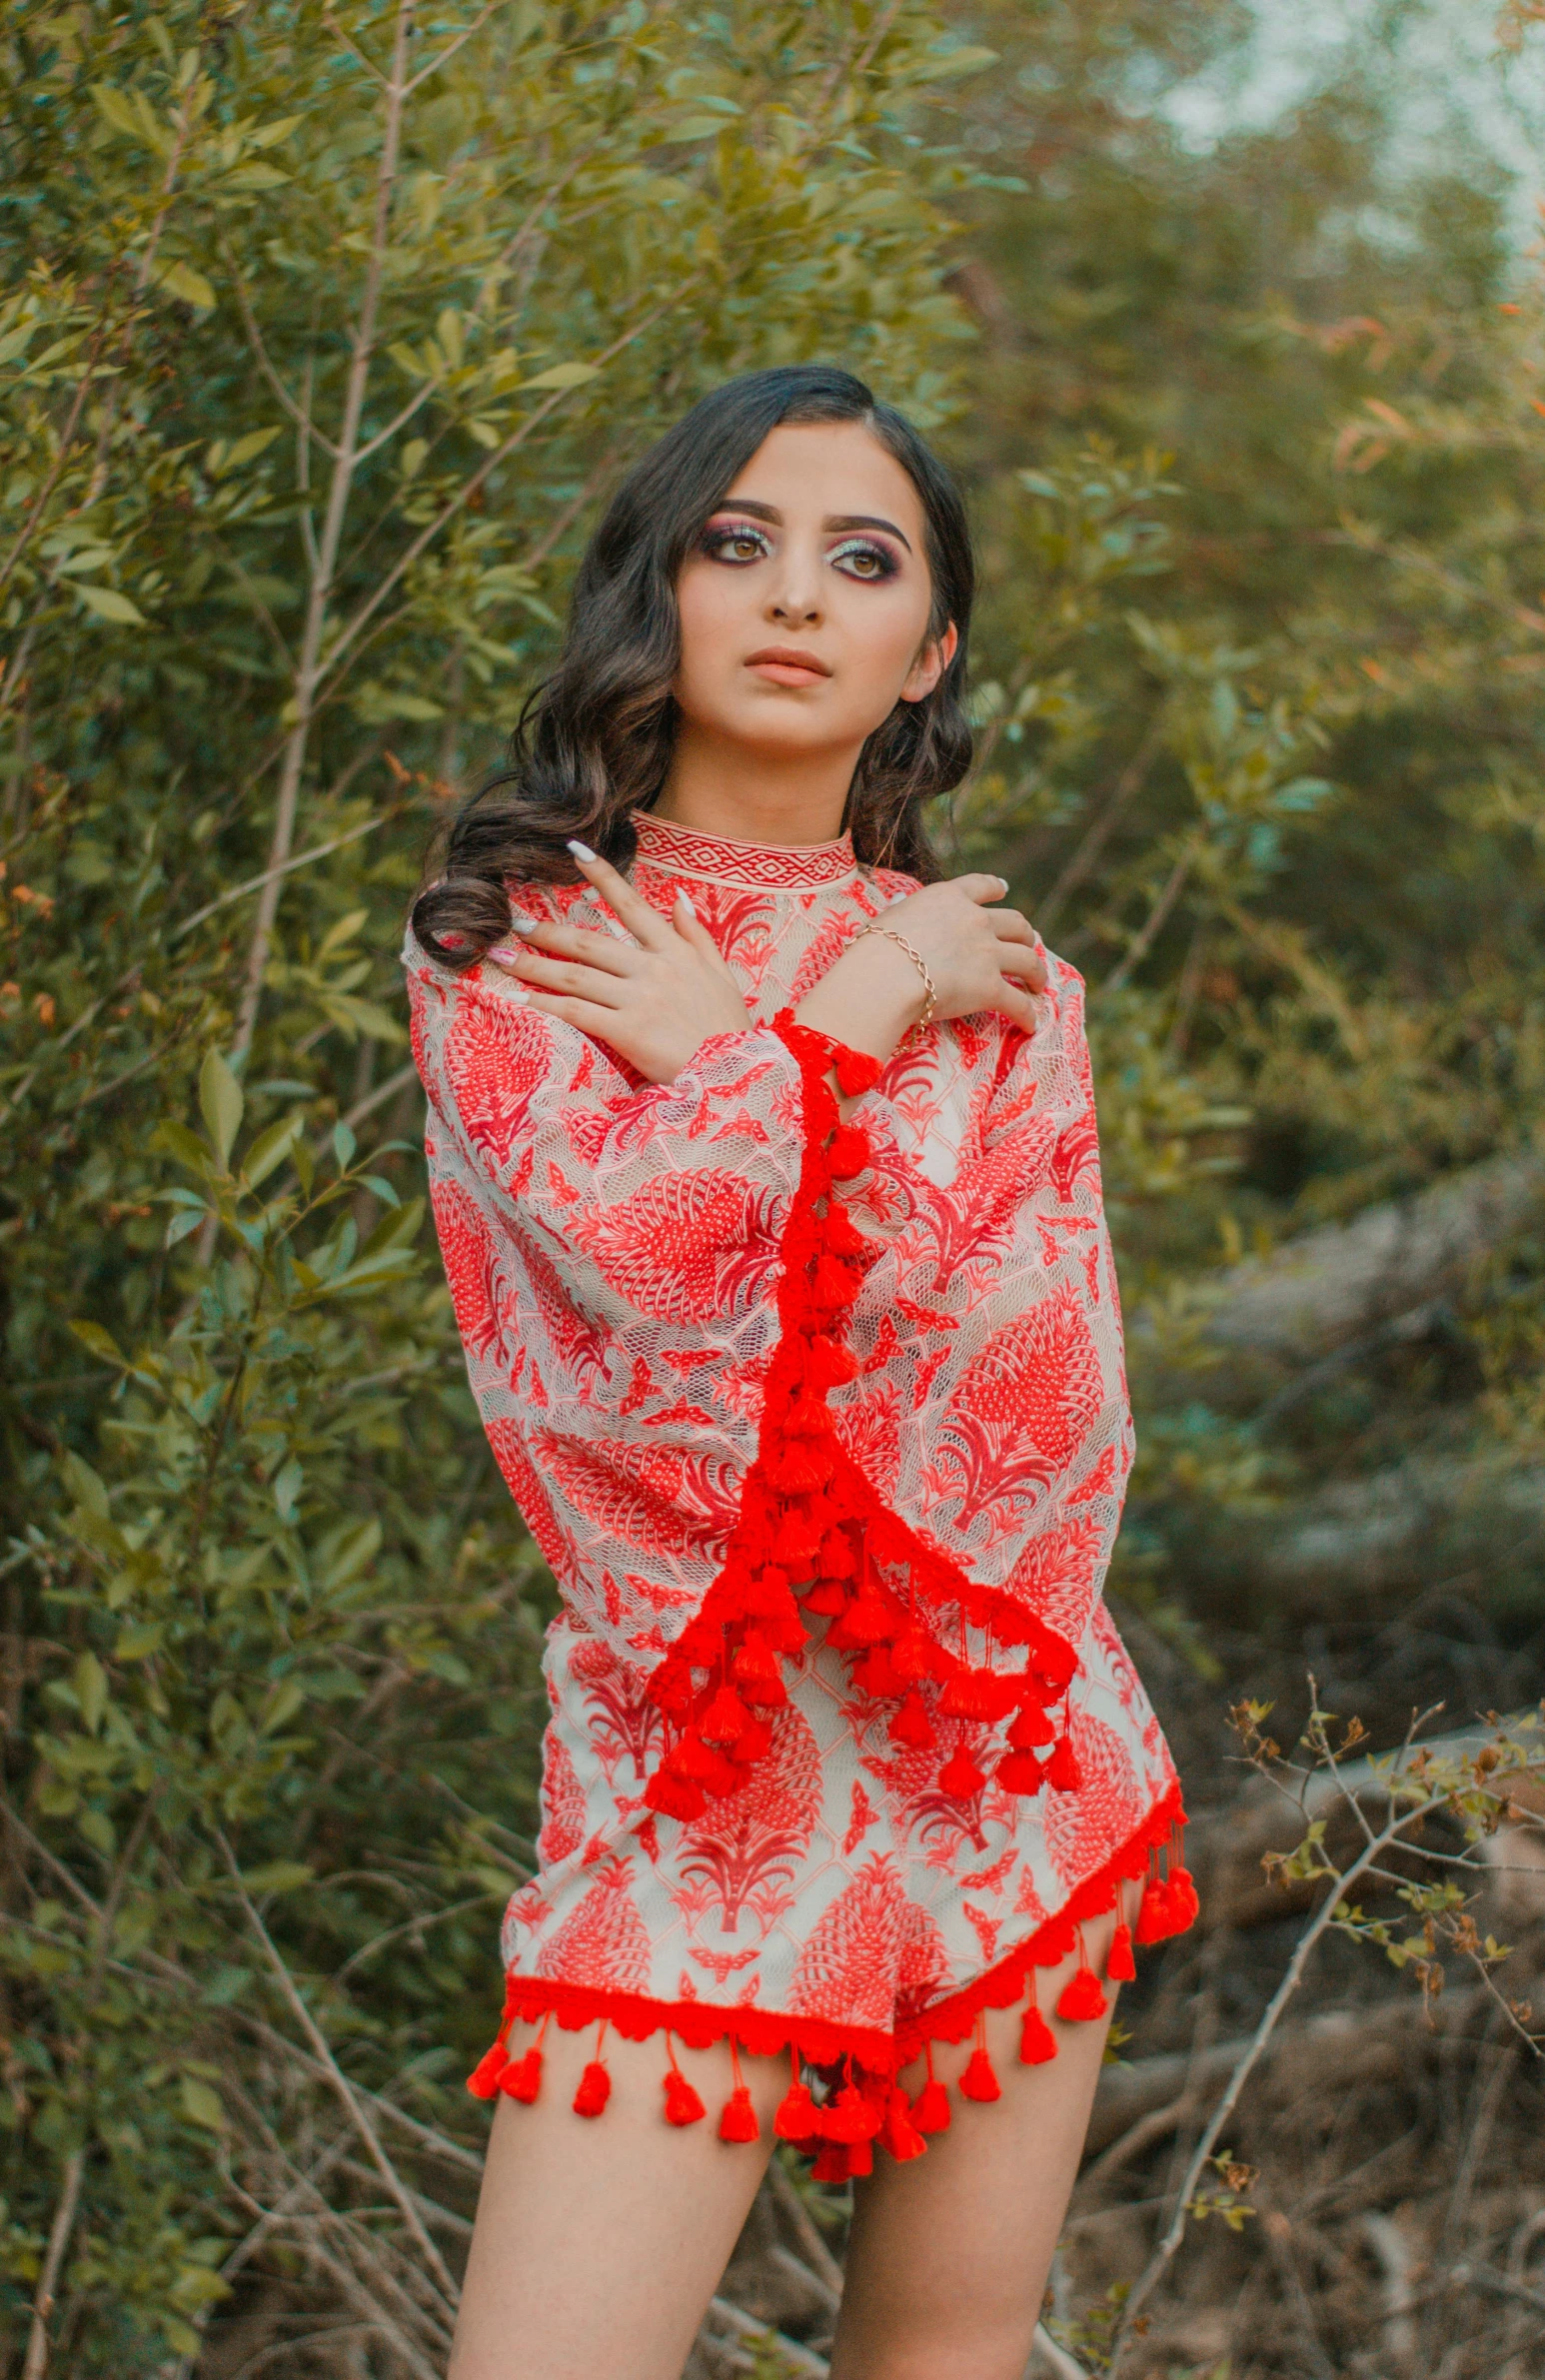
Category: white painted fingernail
[686,902]
[581,850]
[519,993]
[523,925]
[504,954]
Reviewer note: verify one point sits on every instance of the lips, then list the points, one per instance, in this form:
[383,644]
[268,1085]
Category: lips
[787,665]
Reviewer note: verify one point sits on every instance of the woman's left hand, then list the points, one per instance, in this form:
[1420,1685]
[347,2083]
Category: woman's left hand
[654,1000]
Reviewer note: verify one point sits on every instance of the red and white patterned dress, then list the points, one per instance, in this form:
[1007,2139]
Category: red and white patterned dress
[822,1428]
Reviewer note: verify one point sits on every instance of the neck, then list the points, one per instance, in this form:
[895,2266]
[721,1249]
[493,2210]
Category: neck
[716,787]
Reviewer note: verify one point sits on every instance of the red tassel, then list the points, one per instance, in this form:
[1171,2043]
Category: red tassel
[1120,1966]
[930,2108]
[1032,1729]
[757,1675]
[842,1236]
[960,1778]
[912,1653]
[1184,1906]
[522,2078]
[749,1748]
[738,2120]
[979,2081]
[898,2133]
[693,1760]
[827,1596]
[837,1559]
[831,1364]
[857,1071]
[860,2159]
[675,1797]
[682,2106]
[977,1693]
[833,1285]
[483,2081]
[797,2118]
[1020,1773]
[910,1726]
[1062,1771]
[867,1620]
[851,2117]
[1038,2043]
[796,1541]
[595,2089]
[832,2164]
[1082,2000]
[848,1152]
[1154,1915]
[875,1673]
[725,1718]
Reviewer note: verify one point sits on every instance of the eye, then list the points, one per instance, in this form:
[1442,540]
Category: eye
[862,558]
[734,542]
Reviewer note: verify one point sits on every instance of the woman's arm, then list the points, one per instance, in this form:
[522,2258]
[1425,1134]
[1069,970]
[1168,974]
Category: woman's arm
[656,999]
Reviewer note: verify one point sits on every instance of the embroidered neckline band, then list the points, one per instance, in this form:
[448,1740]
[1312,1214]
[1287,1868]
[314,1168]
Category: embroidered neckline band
[761,867]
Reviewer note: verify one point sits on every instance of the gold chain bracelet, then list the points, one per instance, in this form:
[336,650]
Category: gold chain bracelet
[921,965]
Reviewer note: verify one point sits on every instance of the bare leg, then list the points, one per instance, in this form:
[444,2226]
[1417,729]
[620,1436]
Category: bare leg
[949,2254]
[599,2243]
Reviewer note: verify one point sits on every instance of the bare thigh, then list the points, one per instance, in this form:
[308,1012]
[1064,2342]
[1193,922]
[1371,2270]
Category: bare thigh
[598,2244]
[949,2254]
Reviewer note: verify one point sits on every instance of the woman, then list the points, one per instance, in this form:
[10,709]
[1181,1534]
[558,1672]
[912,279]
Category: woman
[764,1163]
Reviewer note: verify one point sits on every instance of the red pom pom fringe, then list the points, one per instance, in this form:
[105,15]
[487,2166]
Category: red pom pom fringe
[797,2118]
[522,2078]
[1038,2043]
[595,2089]
[930,2108]
[979,2080]
[1120,1966]
[483,2081]
[738,2120]
[1082,2000]
[898,2133]
[682,2106]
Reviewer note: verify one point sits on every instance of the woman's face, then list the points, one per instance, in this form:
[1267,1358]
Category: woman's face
[804,603]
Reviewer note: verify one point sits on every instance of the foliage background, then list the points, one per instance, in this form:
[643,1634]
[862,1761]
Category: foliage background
[323,330]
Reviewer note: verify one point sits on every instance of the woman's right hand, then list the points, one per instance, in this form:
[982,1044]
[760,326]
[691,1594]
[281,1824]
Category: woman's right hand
[978,956]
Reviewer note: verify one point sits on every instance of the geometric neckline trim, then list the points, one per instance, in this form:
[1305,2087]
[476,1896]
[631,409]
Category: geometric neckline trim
[769,868]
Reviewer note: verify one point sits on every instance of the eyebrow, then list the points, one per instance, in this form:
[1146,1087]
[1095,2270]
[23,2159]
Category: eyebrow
[840,521]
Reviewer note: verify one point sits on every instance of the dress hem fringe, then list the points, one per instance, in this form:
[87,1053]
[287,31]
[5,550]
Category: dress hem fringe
[817,2040]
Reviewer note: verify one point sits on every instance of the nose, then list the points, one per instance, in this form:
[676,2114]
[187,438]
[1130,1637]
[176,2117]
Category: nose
[793,600]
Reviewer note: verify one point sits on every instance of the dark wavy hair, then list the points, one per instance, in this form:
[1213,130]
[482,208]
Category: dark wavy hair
[595,741]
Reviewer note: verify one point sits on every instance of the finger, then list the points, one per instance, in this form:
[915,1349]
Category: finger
[541,973]
[1018,1007]
[1012,925]
[567,941]
[1030,970]
[584,1016]
[982,888]
[692,929]
[643,923]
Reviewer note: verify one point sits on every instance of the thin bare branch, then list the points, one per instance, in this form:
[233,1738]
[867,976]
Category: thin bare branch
[38,2341]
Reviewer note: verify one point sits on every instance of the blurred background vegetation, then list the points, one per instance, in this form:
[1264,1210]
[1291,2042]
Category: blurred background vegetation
[322,331]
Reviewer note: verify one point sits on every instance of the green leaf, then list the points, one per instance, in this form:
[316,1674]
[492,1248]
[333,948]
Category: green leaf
[220,1099]
[182,1224]
[571,375]
[271,1148]
[343,1146]
[90,1680]
[144,1637]
[181,280]
[202,2104]
[972,59]
[84,1484]
[117,109]
[101,1342]
[268,136]
[108,603]
[241,450]
[278,1876]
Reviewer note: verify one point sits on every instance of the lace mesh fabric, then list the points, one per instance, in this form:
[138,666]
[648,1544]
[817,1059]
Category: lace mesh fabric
[822,1428]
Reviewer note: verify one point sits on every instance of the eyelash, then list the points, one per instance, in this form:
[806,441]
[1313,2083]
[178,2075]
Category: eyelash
[714,539]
